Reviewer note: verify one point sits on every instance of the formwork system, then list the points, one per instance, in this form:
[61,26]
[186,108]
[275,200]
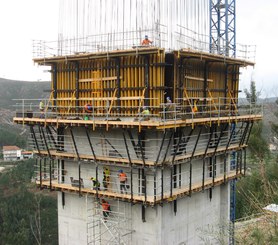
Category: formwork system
[93,119]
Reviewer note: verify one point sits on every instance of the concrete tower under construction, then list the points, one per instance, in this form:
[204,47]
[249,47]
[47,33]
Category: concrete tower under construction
[165,114]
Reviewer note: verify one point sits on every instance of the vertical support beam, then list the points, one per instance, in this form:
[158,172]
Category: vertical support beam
[190,178]
[154,185]
[226,149]
[174,171]
[192,155]
[35,138]
[146,74]
[141,138]
[74,144]
[63,199]
[240,161]
[175,207]
[97,181]
[160,148]
[139,181]
[175,176]
[180,175]
[118,74]
[181,78]
[226,83]
[171,180]
[144,185]
[237,161]
[210,194]
[243,137]
[162,184]
[244,171]
[77,86]
[54,79]
[130,166]
[203,174]
[204,158]
[79,163]
[60,138]
[213,169]
[143,213]
[133,143]
[45,142]
[51,137]
[90,143]
[63,170]
[249,133]
[223,128]
[205,89]
[165,155]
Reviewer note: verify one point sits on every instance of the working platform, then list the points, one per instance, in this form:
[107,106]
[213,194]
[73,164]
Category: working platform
[125,162]
[146,199]
[186,112]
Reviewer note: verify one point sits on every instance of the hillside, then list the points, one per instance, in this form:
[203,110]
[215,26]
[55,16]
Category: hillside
[11,134]
[12,89]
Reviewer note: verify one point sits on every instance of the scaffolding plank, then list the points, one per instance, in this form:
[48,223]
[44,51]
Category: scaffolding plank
[148,200]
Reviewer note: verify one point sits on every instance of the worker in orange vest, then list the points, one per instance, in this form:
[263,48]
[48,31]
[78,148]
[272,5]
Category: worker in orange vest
[146,41]
[195,107]
[105,209]
[123,180]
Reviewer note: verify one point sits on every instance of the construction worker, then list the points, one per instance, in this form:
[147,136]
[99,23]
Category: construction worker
[195,107]
[123,180]
[145,113]
[41,107]
[96,184]
[169,108]
[106,178]
[105,209]
[146,41]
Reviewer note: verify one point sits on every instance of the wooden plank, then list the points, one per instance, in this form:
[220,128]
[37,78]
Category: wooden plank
[177,192]
[70,155]
[98,79]
[151,123]
[102,98]
[198,79]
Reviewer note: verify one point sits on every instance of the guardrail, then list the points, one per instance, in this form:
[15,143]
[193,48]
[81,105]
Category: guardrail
[185,39]
[183,108]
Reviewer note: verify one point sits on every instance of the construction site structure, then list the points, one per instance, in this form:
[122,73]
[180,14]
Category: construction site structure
[170,120]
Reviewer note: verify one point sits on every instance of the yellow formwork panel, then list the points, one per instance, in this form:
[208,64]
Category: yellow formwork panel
[98,79]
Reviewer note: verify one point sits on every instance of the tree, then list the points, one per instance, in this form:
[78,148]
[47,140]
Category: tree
[26,217]
[252,95]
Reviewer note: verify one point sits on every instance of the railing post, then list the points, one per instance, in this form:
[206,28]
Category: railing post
[219,108]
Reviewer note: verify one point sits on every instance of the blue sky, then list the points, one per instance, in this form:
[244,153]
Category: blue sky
[24,21]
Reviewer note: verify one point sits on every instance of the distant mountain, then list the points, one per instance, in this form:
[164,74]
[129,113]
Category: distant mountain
[12,89]
[13,134]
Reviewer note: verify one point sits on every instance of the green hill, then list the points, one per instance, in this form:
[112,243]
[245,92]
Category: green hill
[12,89]
[12,134]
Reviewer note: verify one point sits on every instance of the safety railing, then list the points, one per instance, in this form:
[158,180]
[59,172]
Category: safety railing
[105,43]
[182,109]
[146,187]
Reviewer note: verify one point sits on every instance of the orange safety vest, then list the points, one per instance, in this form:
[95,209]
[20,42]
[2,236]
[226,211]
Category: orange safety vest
[122,177]
[146,42]
[105,206]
